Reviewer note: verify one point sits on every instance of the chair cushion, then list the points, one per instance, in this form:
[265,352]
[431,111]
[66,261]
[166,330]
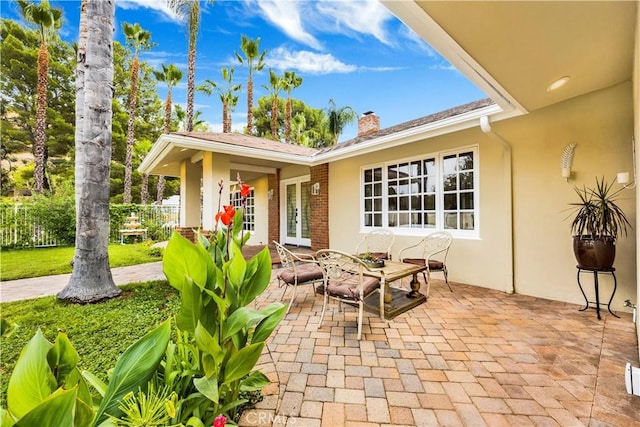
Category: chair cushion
[347,286]
[306,273]
[433,264]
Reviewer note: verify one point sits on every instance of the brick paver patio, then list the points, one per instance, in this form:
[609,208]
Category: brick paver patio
[474,357]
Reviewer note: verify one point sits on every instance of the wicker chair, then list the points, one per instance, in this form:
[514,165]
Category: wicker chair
[378,243]
[345,281]
[433,251]
[297,269]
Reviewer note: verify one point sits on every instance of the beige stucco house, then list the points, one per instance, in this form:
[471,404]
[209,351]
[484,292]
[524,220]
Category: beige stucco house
[506,201]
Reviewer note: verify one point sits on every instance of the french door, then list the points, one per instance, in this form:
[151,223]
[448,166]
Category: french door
[295,211]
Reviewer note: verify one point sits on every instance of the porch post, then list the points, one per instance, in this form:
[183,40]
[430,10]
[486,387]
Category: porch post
[189,194]
[215,167]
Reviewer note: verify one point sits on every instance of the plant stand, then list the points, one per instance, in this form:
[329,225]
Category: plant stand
[597,302]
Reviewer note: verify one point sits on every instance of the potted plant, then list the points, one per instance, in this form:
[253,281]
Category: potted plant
[598,221]
[372,261]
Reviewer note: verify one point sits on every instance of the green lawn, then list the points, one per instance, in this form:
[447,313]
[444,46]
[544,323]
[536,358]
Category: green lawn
[24,263]
[99,332]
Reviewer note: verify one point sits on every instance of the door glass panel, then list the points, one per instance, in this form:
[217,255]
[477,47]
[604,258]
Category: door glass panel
[291,210]
[305,201]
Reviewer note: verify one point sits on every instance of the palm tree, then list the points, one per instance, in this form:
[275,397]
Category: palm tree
[45,18]
[137,39]
[276,84]
[171,75]
[227,95]
[338,118]
[190,9]
[255,61]
[291,81]
[91,279]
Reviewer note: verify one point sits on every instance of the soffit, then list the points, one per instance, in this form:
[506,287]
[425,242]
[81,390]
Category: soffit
[525,46]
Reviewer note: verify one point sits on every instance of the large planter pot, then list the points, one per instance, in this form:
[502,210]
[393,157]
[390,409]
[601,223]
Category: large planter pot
[596,253]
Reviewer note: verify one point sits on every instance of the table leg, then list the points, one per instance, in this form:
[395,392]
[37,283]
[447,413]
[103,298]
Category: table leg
[415,287]
[383,296]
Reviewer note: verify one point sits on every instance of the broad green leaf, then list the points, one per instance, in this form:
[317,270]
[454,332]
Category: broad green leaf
[5,418]
[56,411]
[210,346]
[190,309]
[84,394]
[208,387]
[32,380]
[257,282]
[182,258]
[62,358]
[194,422]
[242,318]
[236,269]
[256,380]
[242,362]
[95,382]
[134,369]
[274,313]
[226,408]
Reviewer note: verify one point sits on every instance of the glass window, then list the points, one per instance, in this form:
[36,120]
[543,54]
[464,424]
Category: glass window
[248,221]
[435,192]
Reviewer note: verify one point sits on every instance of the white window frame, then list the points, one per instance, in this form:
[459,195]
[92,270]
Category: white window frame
[439,195]
[249,215]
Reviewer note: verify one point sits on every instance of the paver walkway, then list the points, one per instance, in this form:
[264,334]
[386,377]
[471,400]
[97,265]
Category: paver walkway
[472,357]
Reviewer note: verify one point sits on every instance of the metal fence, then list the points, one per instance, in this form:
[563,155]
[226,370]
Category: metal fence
[19,228]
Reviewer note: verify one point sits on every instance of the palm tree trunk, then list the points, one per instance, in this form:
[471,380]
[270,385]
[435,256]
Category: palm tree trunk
[144,190]
[274,118]
[287,122]
[91,279]
[249,130]
[160,194]
[226,123]
[133,95]
[167,113]
[40,139]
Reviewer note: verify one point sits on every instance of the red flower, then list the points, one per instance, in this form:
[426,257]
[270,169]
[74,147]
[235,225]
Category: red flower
[245,190]
[220,421]
[227,215]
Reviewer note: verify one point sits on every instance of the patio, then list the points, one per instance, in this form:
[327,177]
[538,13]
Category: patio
[473,357]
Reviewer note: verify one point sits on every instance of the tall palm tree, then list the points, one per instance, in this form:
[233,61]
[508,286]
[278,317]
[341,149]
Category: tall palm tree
[255,62]
[46,19]
[338,118]
[227,95]
[171,76]
[290,82]
[138,40]
[91,279]
[189,9]
[276,84]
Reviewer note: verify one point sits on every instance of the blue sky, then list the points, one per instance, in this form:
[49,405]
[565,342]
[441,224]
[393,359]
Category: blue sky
[354,52]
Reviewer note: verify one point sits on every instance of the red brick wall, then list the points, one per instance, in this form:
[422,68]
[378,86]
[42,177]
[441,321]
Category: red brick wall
[320,208]
[368,123]
[274,207]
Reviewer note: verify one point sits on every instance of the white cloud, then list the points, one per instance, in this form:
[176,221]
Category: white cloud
[306,61]
[286,15]
[158,5]
[364,17]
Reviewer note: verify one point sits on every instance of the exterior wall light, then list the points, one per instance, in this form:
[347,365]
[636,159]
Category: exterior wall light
[315,189]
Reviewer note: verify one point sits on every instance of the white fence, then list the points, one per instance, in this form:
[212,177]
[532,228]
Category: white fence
[19,228]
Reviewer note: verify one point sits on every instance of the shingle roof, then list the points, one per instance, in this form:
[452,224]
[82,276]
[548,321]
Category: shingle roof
[249,141]
[412,123]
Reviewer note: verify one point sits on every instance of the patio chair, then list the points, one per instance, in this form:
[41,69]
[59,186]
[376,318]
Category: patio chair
[378,243]
[434,249]
[297,269]
[345,282]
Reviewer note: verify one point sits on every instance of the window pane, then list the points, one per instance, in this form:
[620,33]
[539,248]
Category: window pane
[377,205]
[392,172]
[416,186]
[393,220]
[368,175]
[377,220]
[416,170]
[416,220]
[377,174]
[403,170]
[368,191]
[467,221]
[466,200]
[466,181]
[415,203]
[403,219]
[367,205]
[431,220]
[377,190]
[449,164]
[367,220]
[465,161]
[450,202]
[404,203]
[430,184]
[430,202]
[430,166]
[403,188]
[450,182]
[451,220]
[392,204]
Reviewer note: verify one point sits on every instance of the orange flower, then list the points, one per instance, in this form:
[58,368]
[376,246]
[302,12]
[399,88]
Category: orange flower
[245,190]
[227,215]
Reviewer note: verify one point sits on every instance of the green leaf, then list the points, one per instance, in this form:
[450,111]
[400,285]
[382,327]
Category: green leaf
[134,369]
[236,268]
[209,345]
[184,259]
[95,382]
[256,283]
[256,380]
[62,358]
[274,312]
[5,418]
[242,362]
[242,318]
[32,380]
[191,307]
[194,422]
[56,411]
[208,387]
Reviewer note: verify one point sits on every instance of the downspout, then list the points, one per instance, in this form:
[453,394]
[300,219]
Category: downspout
[508,197]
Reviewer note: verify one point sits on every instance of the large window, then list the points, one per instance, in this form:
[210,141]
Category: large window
[434,192]
[248,221]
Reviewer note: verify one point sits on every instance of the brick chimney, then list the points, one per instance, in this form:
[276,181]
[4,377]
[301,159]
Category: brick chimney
[368,123]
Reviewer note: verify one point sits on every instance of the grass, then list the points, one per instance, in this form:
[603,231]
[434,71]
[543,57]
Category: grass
[99,332]
[25,263]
